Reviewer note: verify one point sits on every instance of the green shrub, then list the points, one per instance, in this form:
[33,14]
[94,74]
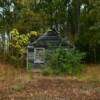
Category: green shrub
[47,71]
[62,61]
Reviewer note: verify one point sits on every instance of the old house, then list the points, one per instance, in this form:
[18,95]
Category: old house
[37,49]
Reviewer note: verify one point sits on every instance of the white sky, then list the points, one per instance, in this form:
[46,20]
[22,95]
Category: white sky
[11,8]
[1,10]
[82,7]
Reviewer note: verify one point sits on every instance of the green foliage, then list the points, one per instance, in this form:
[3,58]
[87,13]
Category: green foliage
[64,61]
[18,46]
[67,16]
[47,71]
[29,67]
[19,41]
[90,30]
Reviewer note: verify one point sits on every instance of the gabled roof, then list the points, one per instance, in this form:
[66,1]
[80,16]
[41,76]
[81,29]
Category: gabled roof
[50,38]
[50,35]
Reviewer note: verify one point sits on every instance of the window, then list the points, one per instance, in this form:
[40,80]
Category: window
[39,55]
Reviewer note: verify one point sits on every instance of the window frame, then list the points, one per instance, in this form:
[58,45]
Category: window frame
[43,56]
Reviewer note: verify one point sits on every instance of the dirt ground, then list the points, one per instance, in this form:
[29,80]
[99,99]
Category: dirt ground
[17,84]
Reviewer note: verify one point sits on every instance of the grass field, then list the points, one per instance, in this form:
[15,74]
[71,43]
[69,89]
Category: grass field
[18,84]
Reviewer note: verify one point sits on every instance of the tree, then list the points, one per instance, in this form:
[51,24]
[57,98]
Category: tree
[18,45]
[90,27]
[56,12]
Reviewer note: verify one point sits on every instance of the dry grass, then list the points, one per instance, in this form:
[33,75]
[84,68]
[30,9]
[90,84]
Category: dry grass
[18,82]
[92,73]
[10,73]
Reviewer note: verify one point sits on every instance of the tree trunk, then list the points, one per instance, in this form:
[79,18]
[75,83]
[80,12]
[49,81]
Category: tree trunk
[94,51]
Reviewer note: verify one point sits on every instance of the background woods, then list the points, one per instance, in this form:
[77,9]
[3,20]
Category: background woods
[77,20]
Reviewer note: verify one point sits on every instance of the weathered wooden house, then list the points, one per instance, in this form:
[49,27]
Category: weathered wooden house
[37,49]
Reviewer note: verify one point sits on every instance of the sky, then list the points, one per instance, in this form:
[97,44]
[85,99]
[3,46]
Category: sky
[1,10]
[11,8]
